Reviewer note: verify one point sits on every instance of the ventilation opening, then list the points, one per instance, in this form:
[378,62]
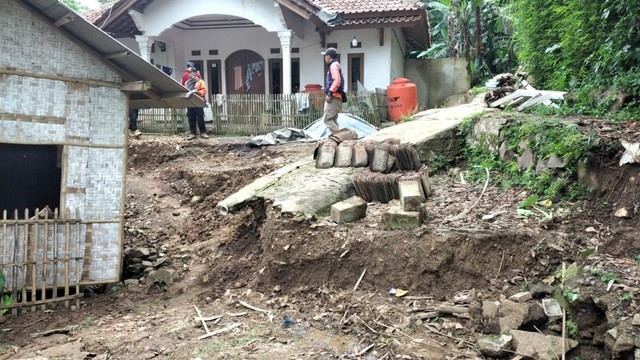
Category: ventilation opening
[30,177]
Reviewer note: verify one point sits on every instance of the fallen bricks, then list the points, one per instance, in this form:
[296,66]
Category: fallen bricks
[373,186]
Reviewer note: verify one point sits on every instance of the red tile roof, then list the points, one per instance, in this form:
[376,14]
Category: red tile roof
[366,6]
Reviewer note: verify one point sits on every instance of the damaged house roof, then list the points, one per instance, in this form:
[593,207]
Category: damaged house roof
[327,15]
[148,86]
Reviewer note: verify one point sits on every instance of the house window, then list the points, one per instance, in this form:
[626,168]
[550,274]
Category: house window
[30,177]
[213,52]
[195,53]
[275,75]
[356,71]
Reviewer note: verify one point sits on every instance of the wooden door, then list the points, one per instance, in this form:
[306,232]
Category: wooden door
[245,73]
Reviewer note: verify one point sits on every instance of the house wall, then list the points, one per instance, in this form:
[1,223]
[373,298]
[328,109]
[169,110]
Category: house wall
[382,63]
[53,91]
[396,38]
[437,79]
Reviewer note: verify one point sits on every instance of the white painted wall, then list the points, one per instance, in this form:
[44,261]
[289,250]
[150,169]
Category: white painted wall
[381,63]
[396,37]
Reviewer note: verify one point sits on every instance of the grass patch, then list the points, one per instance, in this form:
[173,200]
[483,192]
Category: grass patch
[546,137]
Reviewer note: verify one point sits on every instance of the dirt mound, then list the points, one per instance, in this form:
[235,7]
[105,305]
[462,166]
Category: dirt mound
[300,274]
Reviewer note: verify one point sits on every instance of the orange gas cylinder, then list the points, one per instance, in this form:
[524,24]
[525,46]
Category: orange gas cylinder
[316,94]
[402,99]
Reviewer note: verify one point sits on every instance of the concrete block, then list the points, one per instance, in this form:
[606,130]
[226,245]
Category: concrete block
[380,160]
[359,158]
[410,198]
[344,153]
[396,218]
[391,160]
[349,210]
[326,154]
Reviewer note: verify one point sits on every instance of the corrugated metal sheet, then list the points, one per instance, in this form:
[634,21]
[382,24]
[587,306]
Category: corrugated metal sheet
[165,91]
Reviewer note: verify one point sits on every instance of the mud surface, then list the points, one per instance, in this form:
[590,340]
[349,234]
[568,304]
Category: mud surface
[285,287]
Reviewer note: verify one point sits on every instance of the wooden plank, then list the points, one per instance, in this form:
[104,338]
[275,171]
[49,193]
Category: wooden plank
[136,86]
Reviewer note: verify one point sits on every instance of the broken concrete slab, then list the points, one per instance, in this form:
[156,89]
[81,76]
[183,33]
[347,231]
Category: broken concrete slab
[512,315]
[360,157]
[349,210]
[496,346]
[540,346]
[299,188]
[344,153]
[433,131]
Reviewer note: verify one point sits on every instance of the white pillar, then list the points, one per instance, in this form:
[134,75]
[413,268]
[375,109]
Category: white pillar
[144,43]
[285,43]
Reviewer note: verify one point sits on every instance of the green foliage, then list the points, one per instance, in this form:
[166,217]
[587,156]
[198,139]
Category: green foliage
[74,4]
[610,276]
[486,20]
[589,47]
[572,328]
[545,137]
[627,296]
[637,259]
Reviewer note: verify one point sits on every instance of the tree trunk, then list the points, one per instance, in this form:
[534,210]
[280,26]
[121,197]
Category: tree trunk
[478,31]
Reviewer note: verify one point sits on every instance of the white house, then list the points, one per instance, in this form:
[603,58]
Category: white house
[270,46]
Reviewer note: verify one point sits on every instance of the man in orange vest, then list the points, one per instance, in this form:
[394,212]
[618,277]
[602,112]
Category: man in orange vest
[195,114]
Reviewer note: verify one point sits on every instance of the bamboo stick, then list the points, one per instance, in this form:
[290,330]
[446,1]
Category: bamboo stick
[14,275]
[67,254]
[24,264]
[34,257]
[45,241]
[77,260]
[56,259]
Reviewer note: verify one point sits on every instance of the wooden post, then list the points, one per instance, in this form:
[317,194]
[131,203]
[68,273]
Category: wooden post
[14,275]
[34,260]
[67,254]
[24,257]
[45,263]
[55,262]
[77,260]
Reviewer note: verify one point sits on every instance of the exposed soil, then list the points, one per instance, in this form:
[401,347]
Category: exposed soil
[299,275]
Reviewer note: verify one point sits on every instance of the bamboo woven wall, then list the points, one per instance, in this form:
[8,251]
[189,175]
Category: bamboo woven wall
[41,253]
[253,114]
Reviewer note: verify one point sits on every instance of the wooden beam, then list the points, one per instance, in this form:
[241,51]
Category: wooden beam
[117,13]
[65,19]
[136,86]
[59,78]
[117,55]
[294,8]
[381,36]
[152,95]
[323,39]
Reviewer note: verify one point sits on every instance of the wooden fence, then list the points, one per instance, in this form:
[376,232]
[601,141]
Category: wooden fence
[247,114]
[42,259]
